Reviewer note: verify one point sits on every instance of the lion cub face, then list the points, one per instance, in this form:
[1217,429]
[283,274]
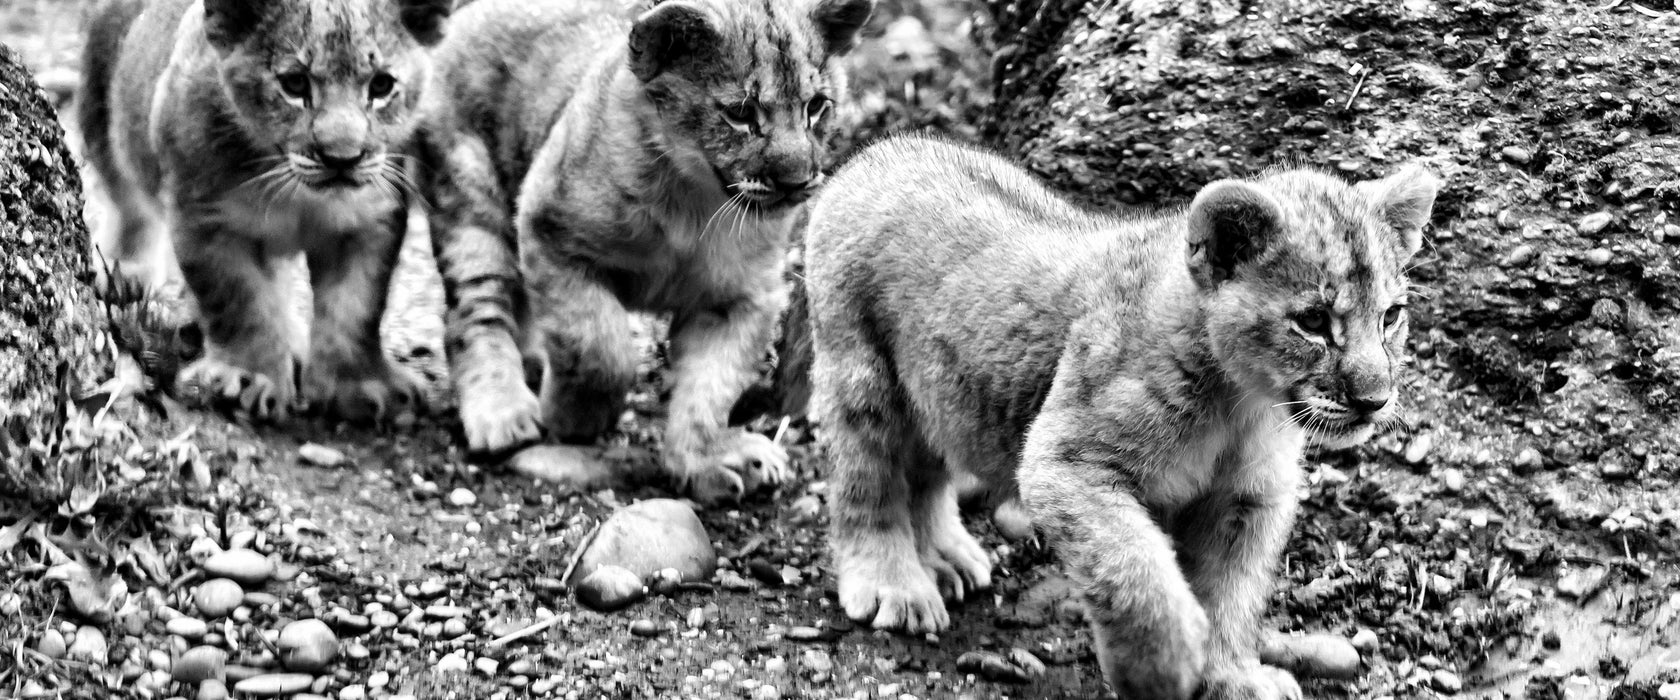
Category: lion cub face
[325,87]
[1309,290]
[751,84]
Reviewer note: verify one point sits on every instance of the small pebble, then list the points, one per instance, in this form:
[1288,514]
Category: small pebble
[1516,154]
[199,664]
[696,618]
[321,456]
[190,628]
[52,645]
[212,690]
[1594,223]
[1446,681]
[274,684]
[1365,641]
[486,665]
[218,597]
[610,588]
[1312,655]
[804,633]
[991,666]
[766,573]
[445,612]
[242,565]
[461,498]
[452,663]
[1418,449]
[1452,480]
[89,646]
[307,645]
[644,628]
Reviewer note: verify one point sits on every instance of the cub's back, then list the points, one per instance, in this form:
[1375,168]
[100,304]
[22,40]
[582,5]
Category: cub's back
[934,228]
[963,272]
[507,67]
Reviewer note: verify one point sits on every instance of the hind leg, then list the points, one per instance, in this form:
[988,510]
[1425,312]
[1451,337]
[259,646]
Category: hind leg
[947,548]
[581,334]
[131,240]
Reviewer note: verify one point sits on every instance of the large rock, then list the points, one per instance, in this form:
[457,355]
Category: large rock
[53,336]
[648,536]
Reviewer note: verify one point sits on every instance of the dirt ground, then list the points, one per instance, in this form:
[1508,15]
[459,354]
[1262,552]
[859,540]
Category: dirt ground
[1515,540]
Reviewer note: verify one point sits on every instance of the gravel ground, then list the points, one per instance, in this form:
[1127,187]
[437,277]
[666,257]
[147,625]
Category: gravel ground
[1516,540]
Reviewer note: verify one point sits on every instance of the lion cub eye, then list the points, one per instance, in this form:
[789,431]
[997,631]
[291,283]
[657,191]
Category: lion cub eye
[817,107]
[295,85]
[742,115]
[1313,322]
[381,85]
[1392,315]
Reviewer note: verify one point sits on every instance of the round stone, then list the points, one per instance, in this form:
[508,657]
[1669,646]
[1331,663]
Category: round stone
[218,597]
[242,565]
[307,646]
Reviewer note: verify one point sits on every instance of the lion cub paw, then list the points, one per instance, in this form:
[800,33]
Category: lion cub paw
[500,420]
[900,596]
[733,467]
[959,563]
[1253,681]
[211,381]
[382,395]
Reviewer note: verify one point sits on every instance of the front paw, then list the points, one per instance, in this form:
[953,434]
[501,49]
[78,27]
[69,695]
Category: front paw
[389,393]
[731,467]
[214,382]
[498,420]
[1251,681]
[1154,645]
[893,595]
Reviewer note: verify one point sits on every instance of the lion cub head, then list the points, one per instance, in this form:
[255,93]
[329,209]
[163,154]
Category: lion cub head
[752,85]
[1307,290]
[324,88]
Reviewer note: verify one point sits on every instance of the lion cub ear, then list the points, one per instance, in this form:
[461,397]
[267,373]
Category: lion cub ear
[228,22]
[1405,201]
[425,18]
[1231,223]
[840,21]
[669,34]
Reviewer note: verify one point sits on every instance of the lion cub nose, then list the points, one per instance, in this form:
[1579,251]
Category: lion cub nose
[1368,403]
[340,160]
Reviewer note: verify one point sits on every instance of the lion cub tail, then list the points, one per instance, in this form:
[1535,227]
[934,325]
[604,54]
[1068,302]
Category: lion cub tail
[107,22]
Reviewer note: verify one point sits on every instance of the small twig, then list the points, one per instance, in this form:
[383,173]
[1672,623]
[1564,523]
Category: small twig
[185,579]
[1357,87]
[566,578]
[1648,12]
[781,430]
[529,630]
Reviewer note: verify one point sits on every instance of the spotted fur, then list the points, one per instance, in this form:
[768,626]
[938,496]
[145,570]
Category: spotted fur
[1144,386]
[246,132]
[587,162]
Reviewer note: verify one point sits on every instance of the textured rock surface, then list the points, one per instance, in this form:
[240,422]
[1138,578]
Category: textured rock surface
[52,331]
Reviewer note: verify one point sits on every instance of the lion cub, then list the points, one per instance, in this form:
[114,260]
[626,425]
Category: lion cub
[587,162]
[1146,383]
[251,131]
